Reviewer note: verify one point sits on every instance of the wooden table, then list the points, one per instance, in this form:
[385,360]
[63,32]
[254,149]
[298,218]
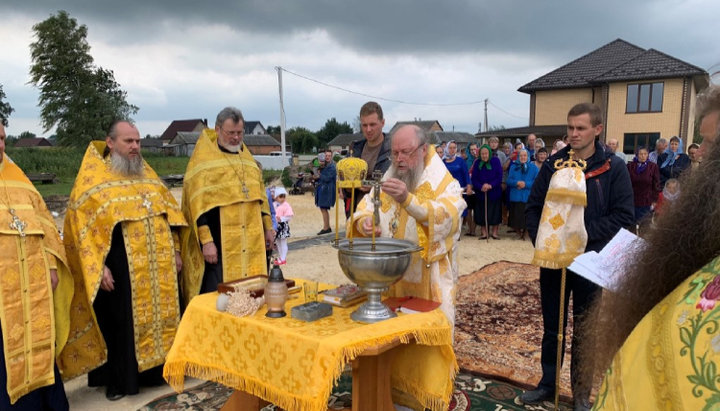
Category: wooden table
[370,384]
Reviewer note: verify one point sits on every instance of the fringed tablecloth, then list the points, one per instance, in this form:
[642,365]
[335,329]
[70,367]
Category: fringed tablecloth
[294,364]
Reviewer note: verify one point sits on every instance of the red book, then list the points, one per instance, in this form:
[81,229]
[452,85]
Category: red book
[411,305]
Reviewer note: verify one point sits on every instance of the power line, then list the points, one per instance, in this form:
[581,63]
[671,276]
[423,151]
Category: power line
[506,112]
[377,97]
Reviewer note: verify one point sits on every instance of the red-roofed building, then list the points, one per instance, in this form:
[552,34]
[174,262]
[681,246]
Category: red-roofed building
[191,125]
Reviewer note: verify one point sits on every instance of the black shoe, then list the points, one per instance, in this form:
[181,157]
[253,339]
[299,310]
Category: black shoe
[326,231]
[582,405]
[537,396]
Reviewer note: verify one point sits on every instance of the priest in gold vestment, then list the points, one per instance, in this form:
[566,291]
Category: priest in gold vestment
[658,336]
[35,293]
[122,240]
[421,203]
[225,204]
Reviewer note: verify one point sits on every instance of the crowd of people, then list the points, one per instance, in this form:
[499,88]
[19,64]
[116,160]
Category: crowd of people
[107,298]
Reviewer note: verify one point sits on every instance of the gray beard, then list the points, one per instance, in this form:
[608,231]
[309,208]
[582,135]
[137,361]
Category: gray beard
[411,177]
[126,166]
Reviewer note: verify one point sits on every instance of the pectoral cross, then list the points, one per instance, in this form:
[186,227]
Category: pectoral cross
[147,204]
[17,223]
[246,191]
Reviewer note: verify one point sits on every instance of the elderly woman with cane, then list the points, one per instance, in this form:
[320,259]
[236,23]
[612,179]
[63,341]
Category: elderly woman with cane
[486,179]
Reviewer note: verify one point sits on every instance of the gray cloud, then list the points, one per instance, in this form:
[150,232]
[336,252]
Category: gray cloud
[184,59]
[553,27]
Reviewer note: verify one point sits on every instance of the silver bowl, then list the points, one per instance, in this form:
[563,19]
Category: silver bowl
[374,270]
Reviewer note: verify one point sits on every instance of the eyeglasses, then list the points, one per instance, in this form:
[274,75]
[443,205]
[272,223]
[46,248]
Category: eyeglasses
[405,153]
[233,133]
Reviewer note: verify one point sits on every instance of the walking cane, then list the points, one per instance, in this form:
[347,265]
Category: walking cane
[487,225]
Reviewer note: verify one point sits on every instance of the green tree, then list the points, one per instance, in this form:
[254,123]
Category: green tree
[27,134]
[5,108]
[77,97]
[331,129]
[273,130]
[302,139]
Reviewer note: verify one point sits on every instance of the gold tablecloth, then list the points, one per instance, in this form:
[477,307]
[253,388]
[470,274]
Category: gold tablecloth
[294,364]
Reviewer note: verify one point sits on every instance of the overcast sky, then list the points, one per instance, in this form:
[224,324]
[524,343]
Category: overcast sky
[185,59]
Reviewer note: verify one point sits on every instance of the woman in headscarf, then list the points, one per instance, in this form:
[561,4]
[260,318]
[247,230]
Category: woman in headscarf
[486,180]
[673,161]
[457,167]
[520,179]
[541,155]
[645,178]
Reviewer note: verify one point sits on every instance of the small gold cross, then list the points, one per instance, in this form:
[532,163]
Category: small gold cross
[246,191]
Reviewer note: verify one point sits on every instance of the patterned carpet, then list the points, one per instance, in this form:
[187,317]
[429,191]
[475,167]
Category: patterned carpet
[498,326]
[472,393]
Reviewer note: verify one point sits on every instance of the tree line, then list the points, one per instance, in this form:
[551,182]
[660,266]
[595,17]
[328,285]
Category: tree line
[81,99]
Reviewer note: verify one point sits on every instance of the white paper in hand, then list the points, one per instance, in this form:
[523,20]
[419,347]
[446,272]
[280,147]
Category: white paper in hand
[607,266]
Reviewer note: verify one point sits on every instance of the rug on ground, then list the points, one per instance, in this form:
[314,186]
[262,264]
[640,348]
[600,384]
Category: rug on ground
[472,393]
[498,325]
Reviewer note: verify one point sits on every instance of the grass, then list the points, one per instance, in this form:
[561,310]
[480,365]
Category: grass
[65,162]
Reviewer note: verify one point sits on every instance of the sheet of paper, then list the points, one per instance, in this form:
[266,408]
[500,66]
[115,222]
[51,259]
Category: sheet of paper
[606,267]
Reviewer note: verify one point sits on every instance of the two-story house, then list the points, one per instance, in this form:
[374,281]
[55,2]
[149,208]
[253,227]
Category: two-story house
[644,95]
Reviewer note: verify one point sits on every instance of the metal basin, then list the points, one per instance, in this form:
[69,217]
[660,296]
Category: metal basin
[374,270]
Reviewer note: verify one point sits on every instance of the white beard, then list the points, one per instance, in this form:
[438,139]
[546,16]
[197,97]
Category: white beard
[410,177]
[129,167]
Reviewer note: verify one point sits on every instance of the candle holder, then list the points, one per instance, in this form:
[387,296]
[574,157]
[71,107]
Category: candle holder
[276,293]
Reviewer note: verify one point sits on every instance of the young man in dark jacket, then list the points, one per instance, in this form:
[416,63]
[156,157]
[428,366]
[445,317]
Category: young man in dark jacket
[374,148]
[609,208]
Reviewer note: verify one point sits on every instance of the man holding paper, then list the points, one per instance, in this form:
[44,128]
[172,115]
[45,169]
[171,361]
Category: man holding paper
[609,207]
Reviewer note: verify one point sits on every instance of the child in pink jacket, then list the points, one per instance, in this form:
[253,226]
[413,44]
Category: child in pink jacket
[283,214]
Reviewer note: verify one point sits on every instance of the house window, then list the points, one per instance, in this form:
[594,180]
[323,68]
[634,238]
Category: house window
[632,141]
[644,98]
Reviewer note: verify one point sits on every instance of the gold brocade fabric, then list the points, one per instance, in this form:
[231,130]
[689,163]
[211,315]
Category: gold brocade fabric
[293,363]
[430,217]
[561,232]
[34,319]
[234,183]
[146,210]
[671,359]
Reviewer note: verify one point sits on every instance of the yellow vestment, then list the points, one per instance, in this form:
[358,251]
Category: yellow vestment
[671,359]
[145,209]
[429,217]
[232,182]
[35,321]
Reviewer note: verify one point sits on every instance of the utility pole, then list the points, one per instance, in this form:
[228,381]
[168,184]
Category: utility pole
[282,113]
[486,122]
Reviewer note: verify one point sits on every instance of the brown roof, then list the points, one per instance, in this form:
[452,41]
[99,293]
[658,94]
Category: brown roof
[522,132]
[615,61]
[423,124]
[181,125]
[33,142]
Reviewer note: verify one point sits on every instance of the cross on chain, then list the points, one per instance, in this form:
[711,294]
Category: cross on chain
[246,191]
[17,223]
[147,204]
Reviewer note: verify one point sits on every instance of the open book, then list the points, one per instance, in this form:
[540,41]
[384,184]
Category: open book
[607,266]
